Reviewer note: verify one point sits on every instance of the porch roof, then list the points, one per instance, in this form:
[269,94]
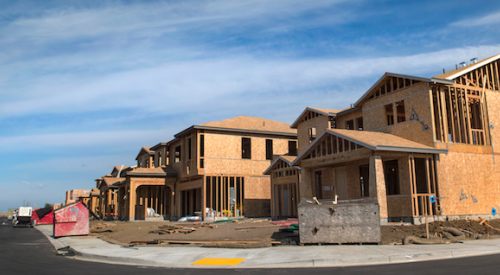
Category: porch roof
[287,159]
[376,141]
[110,181]
[155,172]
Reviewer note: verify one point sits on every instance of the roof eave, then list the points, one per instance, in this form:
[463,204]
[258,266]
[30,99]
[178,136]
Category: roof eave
[422,79]
[296,122]
[411,149]
[245,131]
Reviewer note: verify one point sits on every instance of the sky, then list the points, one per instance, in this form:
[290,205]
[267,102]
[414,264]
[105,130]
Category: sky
[85,84]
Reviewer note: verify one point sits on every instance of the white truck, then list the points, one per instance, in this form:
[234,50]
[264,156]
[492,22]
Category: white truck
[22,216]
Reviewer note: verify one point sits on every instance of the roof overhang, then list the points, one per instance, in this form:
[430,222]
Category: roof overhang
[200,127]
[474,66]
[268,170]
[369,146]
[422,79]
[297,121]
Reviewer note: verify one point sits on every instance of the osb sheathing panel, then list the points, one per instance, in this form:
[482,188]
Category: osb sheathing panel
[353,181]
[147,181]
[194,184]
[404,177]
[416,105]
[257,187]
[337,158]
[257,207]
[321,123]
[468,183]
[306,182]
[399,206]
[287,179]
[493,102]
[223,154]
[395,96]
[328,185]
[341,120]
[377,184]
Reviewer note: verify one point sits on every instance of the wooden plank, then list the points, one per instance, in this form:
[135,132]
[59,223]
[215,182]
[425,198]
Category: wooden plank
[451,115]
[444,114]
[260,226]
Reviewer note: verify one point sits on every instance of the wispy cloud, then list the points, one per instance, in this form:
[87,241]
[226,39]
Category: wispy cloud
[490,19]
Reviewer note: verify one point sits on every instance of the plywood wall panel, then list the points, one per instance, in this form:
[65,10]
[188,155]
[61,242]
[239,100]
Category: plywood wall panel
[468,183]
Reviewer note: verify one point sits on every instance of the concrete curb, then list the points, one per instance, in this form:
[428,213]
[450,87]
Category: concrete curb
[277,257]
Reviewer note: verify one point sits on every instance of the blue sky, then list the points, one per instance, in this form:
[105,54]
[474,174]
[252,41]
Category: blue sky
[85,84]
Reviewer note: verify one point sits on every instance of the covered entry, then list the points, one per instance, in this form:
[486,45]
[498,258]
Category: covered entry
[285,180]
[400,173]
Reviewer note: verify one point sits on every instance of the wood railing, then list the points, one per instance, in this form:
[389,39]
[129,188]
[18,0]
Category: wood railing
[422,204]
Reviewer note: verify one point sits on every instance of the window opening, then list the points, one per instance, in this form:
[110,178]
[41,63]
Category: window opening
[269,149]
[246,148]
[292,148]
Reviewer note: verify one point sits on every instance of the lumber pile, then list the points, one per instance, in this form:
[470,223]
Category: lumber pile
[171,229]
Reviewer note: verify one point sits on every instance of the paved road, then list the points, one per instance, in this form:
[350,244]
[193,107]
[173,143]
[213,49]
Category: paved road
[27,251]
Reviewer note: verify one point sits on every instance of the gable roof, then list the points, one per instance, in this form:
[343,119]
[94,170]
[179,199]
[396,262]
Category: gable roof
[145,150]
[158,171]
[154,148]
[245,124]
[387,76]
[119,168]
[376,141]
[325,112]
[109,181]
[463,70]
[287,159]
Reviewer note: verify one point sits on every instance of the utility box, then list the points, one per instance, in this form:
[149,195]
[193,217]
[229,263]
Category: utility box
[348,221]
[71,220]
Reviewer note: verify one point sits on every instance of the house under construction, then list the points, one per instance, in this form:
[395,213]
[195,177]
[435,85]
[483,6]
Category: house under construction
[421,146]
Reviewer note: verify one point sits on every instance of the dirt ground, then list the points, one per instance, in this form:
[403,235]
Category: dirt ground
[123,233]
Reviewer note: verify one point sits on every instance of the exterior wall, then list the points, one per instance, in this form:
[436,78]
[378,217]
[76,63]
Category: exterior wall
[321,123]
[417,100]
[468,183]
[342,119]
[144,160]
[132,184]
[257,200]
[223,154]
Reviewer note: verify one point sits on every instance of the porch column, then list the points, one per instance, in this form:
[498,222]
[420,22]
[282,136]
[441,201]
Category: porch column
[132,198]
[377,185]
[306,183]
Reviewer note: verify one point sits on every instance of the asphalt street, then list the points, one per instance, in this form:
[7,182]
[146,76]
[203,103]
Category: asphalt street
[27,251]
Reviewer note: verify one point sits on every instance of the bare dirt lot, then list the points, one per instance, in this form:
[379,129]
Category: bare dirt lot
[140,233]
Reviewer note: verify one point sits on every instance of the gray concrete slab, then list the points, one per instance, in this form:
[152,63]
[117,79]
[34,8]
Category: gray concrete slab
[281,256]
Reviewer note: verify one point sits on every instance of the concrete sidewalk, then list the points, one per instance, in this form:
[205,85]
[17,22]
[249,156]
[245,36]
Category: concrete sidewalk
[271,257]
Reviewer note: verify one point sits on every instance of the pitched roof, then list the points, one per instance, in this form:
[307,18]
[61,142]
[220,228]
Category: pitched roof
[158,171]
[159,145]
[376,141]
[287,159]
[463,70]
[252,123]
[145,150]
[109,181]
[325,112]
[387,76]
[245,124]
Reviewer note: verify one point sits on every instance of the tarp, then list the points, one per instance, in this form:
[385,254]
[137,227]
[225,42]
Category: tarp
[43,215]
